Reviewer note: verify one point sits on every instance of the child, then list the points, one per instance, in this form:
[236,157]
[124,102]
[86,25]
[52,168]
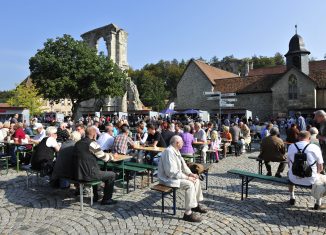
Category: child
[215,143]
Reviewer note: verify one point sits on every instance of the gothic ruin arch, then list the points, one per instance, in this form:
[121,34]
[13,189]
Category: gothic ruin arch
[115,40]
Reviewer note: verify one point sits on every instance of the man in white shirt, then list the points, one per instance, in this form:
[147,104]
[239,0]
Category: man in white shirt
[174,172]
[106,139]
[40,133]
[314,159]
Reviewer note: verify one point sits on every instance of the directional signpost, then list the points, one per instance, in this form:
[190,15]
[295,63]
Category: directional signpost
[225,100]
[213,98]
[228,95]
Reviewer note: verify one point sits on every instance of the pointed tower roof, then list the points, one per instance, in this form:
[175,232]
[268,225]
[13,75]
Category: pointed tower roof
[297,46]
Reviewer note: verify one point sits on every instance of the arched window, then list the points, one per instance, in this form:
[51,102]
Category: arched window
[293,87]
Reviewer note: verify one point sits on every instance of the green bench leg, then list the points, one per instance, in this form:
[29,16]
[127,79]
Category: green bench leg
[81,191]
[244,183]
[92,196]
[7,164]
[17,161]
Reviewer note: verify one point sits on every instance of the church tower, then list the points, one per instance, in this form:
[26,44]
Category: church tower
[298,55]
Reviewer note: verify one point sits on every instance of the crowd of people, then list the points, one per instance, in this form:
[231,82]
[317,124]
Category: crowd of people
[303,150]
[71,150]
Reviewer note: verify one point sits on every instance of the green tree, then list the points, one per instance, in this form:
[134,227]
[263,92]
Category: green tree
[279,59]
[5,95]
[264,61]
[26,95]
[68,68]
[164,75]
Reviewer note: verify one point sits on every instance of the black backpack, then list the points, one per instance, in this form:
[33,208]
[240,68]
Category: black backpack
[300,166]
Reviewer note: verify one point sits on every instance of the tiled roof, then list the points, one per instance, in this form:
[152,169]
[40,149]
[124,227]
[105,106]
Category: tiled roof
[268,70]
[317,72]
[317,65]
[213,73]
[249,84]
[319,76]
[313,66]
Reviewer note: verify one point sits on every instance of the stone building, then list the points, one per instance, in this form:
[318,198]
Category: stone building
[267,92]
[197,78]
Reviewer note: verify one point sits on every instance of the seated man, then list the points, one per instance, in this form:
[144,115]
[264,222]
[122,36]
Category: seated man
[81,129]
[141,136]
[63,134]
[44,152]
[154,139]
[272,149]
[173,172]
[168,133]
[122,141]
[314,159]
[106,139]
[86,153]
[235,132]
[63,167]
[40,133]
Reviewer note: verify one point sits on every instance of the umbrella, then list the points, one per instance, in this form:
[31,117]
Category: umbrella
[191,111]
[168,111]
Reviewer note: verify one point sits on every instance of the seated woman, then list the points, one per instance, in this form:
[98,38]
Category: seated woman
[18,136]
[227,139]
[44,152]
[187,138]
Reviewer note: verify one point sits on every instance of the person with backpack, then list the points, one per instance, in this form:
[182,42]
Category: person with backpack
[305,163]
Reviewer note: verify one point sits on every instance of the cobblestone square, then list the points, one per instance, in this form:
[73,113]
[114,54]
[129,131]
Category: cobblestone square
[43,210]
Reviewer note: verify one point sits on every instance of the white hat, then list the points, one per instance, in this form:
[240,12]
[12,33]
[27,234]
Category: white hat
[37,125]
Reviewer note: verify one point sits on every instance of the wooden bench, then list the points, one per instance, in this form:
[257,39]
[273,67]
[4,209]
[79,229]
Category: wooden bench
[86,184]
[166,190]
[247,177]
[149,168]
[260,163]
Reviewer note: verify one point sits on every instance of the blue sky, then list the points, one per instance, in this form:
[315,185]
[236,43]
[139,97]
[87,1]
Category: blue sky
[161,29]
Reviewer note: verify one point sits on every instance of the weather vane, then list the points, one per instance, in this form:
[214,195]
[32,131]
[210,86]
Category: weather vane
[296,29]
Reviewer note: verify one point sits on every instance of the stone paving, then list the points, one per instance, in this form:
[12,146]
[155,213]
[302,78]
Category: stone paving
[43,210]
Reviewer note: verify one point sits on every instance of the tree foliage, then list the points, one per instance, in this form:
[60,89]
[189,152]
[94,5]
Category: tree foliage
[264,61]
[157,83]
[230,63]
[5,95]
[68,68]
[26,95]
